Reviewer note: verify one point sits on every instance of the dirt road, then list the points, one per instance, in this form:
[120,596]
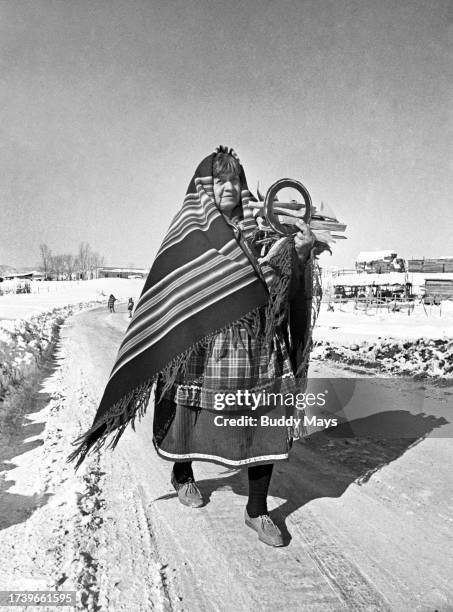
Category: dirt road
[368,524]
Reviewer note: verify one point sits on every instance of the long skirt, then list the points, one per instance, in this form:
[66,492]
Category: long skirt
[232,438]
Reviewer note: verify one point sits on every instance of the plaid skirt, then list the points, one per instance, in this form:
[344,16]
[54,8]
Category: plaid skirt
[246,364]
[190,424]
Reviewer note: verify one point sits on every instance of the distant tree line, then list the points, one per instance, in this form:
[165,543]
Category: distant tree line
[66,266]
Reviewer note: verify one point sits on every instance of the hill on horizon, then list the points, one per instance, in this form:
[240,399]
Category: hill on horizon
[4,269]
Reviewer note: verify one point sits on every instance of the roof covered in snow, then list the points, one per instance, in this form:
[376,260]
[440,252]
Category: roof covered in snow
[130,270]
[366,256]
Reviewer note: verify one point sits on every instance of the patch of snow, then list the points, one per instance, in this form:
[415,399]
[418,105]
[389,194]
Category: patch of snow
[418,344]
[47,295]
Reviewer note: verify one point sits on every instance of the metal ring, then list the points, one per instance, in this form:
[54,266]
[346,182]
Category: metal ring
[271,217]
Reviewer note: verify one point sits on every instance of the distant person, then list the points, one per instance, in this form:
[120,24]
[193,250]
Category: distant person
[130,307]
[111,302]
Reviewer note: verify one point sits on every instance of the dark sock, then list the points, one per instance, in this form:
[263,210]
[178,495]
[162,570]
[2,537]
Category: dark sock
[259,480]
[183,471]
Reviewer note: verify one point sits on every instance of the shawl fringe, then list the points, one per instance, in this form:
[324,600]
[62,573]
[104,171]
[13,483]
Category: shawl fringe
[115,420]
[316,296]
[278,306]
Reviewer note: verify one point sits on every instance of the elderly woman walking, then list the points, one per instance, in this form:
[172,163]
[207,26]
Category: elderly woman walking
[218,322]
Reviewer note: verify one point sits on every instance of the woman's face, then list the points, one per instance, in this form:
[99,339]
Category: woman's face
[227,193]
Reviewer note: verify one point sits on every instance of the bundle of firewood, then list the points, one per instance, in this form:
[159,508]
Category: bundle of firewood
[323,222]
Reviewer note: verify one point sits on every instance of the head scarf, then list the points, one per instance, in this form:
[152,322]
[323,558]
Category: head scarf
[200,283]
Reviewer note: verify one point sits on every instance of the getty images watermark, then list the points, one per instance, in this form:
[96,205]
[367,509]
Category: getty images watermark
[252,400]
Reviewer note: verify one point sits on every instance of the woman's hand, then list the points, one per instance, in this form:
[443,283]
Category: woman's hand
[303,240]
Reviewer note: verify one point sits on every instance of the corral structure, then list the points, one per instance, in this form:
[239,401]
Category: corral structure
[434,264]
[115,272]
[441,288]
[379,262]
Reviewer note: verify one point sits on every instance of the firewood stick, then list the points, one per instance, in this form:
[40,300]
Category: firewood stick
[285,205]
[314,223]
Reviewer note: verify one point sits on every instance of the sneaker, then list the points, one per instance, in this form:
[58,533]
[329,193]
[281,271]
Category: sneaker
[267,530]
[188,492]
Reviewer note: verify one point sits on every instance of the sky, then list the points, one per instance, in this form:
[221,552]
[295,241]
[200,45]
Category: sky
[107,108]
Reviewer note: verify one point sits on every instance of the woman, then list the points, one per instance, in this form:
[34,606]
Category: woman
[111,303]
[214,318]
[130,307]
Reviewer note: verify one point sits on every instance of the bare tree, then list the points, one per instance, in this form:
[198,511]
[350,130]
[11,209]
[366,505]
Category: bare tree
[46,258]
[95,261]
[83,257]
[59,266]
[86,263]
[69,264]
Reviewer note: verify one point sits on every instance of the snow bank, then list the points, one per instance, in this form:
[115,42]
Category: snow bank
[29,325]
[419,344]
[24,344]
[421,358]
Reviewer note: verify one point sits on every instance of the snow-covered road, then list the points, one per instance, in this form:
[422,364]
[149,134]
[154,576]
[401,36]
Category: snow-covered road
[117,533]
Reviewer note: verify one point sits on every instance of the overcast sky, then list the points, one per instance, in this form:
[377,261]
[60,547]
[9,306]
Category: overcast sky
[108,106]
